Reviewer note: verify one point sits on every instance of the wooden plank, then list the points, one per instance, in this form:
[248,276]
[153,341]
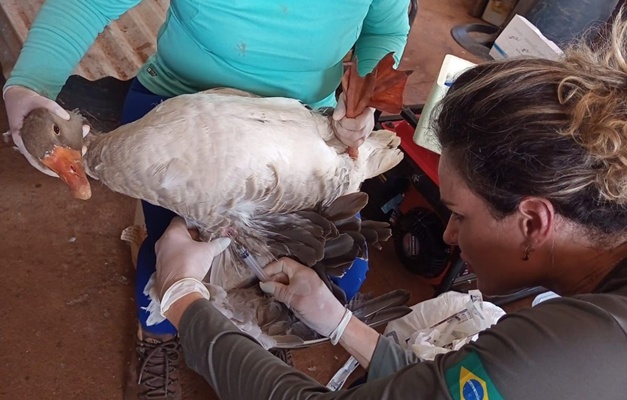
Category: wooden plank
[118,51]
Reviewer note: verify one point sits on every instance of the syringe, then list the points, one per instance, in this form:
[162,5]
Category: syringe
[251,262]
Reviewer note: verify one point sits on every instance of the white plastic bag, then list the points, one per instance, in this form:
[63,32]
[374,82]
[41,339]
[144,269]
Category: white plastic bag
[444,323]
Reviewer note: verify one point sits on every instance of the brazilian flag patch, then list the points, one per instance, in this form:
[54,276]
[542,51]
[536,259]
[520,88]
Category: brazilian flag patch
[468,380]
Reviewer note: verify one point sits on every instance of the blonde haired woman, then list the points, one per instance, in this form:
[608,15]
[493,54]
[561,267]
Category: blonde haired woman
[534,170]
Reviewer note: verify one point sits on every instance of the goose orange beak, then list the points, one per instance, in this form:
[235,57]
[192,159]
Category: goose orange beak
[68,164]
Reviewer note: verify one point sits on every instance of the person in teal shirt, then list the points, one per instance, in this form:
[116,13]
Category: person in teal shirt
[271,48]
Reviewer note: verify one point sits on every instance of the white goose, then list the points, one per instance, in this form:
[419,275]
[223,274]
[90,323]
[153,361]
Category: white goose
[267,172]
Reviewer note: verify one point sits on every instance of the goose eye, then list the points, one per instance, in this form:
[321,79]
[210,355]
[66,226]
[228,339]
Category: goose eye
[56,129]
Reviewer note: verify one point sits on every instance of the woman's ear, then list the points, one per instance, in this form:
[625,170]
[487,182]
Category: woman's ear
[537,219]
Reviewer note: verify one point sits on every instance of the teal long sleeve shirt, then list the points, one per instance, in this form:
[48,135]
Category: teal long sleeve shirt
[270,47]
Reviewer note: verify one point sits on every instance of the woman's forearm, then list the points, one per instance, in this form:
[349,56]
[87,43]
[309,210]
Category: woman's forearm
[385,30]
[360,340]
[237,367]
[178,308]
[61,34]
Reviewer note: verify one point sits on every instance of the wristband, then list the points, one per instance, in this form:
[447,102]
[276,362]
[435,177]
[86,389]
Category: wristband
[182,288]
[339,330]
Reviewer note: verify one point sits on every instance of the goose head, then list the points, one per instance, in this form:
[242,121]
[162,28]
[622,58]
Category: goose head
[55,147]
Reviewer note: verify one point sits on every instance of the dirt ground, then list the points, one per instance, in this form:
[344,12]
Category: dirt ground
[66,293]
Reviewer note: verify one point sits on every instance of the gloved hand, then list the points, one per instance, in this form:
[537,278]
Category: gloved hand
[352,131]
[298,287]
[19,101]
[179,256]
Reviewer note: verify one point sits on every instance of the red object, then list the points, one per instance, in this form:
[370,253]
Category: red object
[425,159]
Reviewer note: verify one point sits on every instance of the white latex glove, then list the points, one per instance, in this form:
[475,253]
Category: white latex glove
[352,131]
[179,256]
[302,290]
[19,101]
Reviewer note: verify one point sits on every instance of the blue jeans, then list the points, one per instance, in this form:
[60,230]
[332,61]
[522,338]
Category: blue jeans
[139,101]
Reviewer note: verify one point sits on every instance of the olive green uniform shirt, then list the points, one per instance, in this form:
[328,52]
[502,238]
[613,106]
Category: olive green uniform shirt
[565,348]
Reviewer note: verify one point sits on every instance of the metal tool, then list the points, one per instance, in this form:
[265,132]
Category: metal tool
[342,374]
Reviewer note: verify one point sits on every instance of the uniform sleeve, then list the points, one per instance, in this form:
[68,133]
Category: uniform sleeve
[60,36]
[562,349]
[385,30]
[389,357]
[238,368]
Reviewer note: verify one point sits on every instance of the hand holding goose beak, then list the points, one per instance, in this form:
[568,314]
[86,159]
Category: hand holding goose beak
[19,102]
